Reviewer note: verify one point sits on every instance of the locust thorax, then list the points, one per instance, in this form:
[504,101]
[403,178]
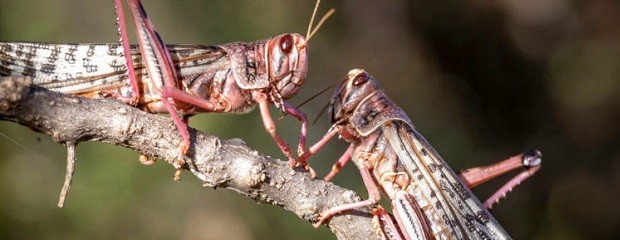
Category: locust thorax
[355,87]
[287,63]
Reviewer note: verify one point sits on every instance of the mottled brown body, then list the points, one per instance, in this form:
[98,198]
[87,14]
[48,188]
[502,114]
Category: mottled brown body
[428,199]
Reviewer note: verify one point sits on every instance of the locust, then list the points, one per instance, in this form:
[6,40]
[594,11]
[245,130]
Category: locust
[158,78]
[181,80]
[429,200]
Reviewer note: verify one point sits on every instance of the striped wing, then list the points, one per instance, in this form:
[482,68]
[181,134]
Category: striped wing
[78,68]
[453,211]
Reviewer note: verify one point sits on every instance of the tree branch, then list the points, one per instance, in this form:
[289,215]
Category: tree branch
[218,163]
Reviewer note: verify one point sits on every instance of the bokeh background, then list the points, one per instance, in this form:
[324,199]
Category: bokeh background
[482,80]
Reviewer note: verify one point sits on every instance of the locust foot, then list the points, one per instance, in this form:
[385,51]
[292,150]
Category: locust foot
[146,160]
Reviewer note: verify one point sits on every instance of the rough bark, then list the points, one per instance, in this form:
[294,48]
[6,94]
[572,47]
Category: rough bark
[220,163]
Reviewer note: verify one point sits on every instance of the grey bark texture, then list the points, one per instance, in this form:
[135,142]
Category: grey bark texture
[220,163]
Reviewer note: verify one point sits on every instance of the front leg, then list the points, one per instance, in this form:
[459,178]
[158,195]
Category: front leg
[301,116]
[270,126]
[374,196]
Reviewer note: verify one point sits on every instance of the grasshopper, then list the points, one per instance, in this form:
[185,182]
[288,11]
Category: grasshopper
[429,200]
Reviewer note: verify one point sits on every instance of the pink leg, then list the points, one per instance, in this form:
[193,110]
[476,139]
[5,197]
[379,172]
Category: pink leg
[182,96]
[384,224]
[270,126]
[184,134]
[317,146]
[501,193]
[185,97]
[373,197]
[159,66]
[158,61]
[313,150]
[530,160]
[155,54]
[122,29]
[343,160]
[304,126]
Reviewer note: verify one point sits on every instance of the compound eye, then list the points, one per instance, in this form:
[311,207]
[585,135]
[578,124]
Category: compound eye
[286,43]
[360,79]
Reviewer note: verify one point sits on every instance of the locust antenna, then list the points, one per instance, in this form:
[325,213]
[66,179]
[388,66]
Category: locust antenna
[312,98]
[311,31]
[316,95]
[324,107]
[320,114]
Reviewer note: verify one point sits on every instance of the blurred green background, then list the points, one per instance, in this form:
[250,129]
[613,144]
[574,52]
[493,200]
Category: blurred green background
[482,80]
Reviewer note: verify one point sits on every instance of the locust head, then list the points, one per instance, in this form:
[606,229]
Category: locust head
[359,107]
[287,64]
[287,60]
[355,87]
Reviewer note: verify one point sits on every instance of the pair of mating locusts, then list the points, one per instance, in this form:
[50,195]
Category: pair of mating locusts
[428,199]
